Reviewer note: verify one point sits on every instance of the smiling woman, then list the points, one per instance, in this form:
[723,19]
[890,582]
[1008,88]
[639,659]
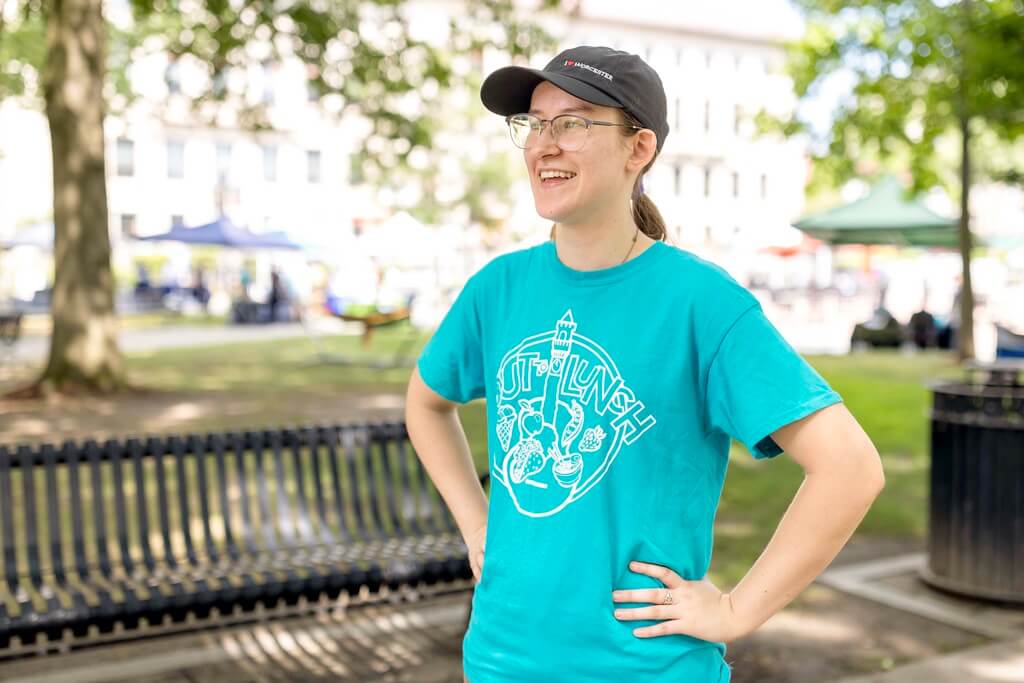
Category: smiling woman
[579,99]
[617,369]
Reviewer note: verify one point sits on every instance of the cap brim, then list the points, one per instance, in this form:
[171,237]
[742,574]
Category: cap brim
[509,89]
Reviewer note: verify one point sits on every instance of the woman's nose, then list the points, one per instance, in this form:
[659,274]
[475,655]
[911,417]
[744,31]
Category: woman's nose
[543,143]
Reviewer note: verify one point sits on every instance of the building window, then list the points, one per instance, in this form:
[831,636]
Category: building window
[223,159]
[269,71]
[172,78]
[679,106]
[175,159]
[735,184]
[312,86]
[313,165]
[677,173]
[177,219]
[125,157]
[128,228]
[707,181]
[269,163]
[707,59]
[679,56]
[356,175]
[219,86]
[707,116]
[764,186]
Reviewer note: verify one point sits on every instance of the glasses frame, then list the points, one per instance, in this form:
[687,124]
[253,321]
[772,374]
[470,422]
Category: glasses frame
[547,122]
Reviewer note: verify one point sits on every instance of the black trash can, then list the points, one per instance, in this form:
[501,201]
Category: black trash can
[976,509]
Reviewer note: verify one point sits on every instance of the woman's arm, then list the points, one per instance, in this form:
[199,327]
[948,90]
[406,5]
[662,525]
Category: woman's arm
[842,477]
[440,442]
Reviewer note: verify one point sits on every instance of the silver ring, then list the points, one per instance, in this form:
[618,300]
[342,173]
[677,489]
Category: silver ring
[668,598]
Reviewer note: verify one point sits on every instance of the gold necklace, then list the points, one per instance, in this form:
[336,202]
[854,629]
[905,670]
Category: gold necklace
[631,244]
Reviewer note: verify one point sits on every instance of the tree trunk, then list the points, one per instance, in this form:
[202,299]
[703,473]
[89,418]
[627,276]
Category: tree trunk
[965,334]
[84,353]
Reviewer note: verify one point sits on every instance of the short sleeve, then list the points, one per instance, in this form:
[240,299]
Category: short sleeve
[451,363]
[757,383]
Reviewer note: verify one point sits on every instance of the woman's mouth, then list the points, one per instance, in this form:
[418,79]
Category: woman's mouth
[554,181]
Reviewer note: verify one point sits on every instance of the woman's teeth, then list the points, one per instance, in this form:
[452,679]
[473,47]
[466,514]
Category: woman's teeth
[555,177]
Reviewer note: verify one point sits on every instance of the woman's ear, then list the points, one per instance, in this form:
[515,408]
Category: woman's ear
[645,146]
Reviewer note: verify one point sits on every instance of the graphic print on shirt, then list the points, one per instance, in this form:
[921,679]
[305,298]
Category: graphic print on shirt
[564,412]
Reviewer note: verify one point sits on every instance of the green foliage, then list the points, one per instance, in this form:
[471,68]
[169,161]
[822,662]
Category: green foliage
[360,55]
[22,52]
[918,66]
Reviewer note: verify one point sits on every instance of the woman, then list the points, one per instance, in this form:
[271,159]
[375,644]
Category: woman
[616,369]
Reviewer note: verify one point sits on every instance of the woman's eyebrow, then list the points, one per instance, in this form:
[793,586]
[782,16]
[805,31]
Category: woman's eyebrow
[582,108]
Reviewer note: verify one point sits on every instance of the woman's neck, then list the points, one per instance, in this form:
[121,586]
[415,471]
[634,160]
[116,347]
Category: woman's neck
[597,247]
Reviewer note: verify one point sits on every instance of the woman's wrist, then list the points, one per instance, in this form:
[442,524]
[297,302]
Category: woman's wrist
[741,623]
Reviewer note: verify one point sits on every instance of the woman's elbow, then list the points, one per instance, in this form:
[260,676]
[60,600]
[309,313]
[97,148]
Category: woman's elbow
[874,477]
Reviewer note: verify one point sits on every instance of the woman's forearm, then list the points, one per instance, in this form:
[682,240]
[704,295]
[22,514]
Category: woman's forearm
[824,513]
[440,442]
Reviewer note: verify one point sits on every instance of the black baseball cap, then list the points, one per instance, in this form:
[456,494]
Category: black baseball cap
[599,75]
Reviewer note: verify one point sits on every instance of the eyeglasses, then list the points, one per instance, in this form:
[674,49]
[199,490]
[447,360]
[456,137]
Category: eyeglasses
[568,130]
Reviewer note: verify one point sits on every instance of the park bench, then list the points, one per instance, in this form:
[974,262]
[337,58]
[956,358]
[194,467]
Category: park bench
[116,539]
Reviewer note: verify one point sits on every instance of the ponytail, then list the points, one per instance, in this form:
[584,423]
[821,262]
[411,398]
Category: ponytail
[645,213]
[648,218]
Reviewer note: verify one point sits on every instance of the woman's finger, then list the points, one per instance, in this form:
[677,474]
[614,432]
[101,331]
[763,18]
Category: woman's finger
[663,574]
[652,613]
[654,595]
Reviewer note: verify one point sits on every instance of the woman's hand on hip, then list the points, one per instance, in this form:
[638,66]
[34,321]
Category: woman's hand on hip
[476,542]
[693,608]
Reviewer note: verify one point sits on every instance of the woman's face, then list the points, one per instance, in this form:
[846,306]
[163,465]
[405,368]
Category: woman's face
[604,167]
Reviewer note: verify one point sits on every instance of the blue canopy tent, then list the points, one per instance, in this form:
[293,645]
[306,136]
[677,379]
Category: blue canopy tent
[223,232]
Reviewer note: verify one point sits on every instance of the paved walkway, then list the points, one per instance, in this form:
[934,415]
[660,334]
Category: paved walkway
[34,348]
[417,642]
[1002,662]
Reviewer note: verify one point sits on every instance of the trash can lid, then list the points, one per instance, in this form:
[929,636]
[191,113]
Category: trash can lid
[1004,372]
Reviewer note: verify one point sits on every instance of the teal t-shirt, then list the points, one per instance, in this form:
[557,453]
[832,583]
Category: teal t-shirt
[612,395]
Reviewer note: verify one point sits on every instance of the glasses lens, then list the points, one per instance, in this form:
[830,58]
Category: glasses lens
[521,126]
[570,132]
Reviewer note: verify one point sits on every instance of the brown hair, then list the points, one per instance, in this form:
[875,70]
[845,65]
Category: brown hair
[645,213]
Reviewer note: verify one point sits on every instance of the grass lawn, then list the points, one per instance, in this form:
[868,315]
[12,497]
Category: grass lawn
[280,382]
[39,324]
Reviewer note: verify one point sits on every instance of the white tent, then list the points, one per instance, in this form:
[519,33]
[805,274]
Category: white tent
[400,241]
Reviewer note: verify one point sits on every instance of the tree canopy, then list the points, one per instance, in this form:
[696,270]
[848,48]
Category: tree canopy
[915,67]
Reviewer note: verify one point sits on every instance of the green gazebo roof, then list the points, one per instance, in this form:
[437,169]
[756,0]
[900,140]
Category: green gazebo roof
[884,216]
